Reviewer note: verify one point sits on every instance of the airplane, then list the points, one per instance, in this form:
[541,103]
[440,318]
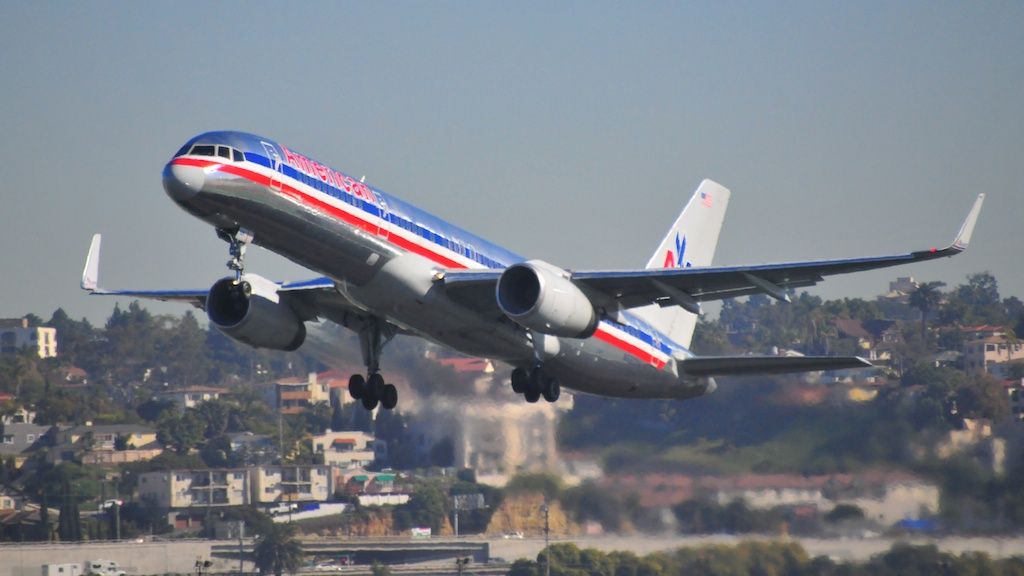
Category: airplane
[387,268]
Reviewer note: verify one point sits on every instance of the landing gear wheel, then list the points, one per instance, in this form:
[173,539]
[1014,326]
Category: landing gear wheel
[389,397]
[357,386]
[370,400]
[537,381]
[520,380]
[375,384]
[552,390]
[531,396]
[374,333]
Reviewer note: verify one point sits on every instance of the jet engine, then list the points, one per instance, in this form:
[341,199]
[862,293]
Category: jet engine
[251,311]
[541,297]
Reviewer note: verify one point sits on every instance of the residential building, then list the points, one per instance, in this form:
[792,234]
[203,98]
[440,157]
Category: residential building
[190,397]
[118,457]
[105,436]
[991,354]
[349,449]
[903,285]
[875,339]
[252,449]
[11,499]
[1015,391]
[295,395]
[884,497]
[976,437]
[20,438]
[20,415]
[195,488]
[96,444]
[496,435]
[16,334]
[291,484]
[373,489]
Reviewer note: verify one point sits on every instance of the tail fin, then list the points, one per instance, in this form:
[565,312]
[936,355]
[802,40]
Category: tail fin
[690,242]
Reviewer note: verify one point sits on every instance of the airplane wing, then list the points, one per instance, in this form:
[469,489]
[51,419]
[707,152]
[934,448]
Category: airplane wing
[687,287]
[308,296]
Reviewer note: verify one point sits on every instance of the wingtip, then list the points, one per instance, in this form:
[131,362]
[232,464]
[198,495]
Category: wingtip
[963,237]
[90,275]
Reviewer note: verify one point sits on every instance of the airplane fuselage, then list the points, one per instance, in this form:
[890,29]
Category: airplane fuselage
[385,257]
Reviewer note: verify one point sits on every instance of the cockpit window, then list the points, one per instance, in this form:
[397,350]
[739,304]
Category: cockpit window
[226,152]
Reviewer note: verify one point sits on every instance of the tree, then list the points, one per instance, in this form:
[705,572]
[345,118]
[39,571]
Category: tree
[442,453]
[984,397]
[45,530]
[926,297]
[1012,342]
[69,525]
[844,512]
[180,433]
[428,507]
[277,550]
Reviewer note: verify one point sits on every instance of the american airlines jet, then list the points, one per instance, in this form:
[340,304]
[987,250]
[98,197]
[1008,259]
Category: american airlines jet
[389,268]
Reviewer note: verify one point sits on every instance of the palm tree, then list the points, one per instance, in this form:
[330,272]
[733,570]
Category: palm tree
[277,550]
[925,298]
[1012,341]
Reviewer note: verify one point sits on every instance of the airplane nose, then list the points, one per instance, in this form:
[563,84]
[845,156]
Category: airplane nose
[183,182]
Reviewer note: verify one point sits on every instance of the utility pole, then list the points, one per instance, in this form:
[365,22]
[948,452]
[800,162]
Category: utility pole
[117,520]
[117,512]
[241,547]
[547,536]
[455,515]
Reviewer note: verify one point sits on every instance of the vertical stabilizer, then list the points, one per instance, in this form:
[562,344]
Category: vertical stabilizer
[690,242]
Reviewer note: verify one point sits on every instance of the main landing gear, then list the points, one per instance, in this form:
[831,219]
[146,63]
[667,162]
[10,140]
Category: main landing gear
[534,383]
[373,390]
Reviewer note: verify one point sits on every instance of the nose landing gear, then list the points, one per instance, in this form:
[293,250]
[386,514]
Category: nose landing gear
[237,241]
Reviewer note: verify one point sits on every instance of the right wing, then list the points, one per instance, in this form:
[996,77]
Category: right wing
[310,299]
[612,290]
[91,275]
[688,286]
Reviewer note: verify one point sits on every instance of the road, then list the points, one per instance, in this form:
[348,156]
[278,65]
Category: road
[847,549]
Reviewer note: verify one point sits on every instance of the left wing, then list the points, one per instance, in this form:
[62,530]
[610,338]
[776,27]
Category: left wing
[687,287]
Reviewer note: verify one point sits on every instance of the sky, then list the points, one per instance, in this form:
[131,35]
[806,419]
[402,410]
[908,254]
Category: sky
[572,132]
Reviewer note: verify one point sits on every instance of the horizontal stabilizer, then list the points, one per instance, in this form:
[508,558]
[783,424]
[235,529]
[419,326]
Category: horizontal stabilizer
[740,365]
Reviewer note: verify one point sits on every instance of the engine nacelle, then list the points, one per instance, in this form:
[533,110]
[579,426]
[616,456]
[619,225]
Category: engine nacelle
[541,297]
[251,311]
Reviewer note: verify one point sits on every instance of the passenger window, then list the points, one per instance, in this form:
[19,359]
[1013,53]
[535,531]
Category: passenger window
[224,152]
[202,150]
[237,156]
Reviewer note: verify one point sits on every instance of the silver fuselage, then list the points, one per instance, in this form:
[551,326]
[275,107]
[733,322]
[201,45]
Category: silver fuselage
[380,268]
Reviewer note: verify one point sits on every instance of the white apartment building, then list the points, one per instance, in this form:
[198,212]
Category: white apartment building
[291,484]
[195,488]
[350,449]
[15,334]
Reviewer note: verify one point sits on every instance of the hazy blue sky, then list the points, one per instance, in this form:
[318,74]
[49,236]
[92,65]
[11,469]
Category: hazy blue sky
[568,131]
